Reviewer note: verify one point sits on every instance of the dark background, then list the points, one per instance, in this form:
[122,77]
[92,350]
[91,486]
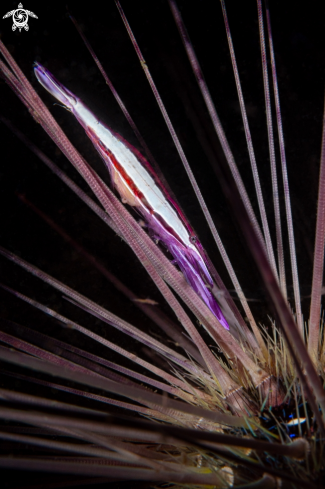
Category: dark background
[53,40]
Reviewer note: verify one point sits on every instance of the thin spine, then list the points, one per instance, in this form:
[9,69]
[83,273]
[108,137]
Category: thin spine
[135,393]
[95,397]
[78,448]
[318,268]
[227,385]
[162,349]
[120,449]
[246,334]
[295,345]
[176,280]
[190,174]
[262,353]
[275,188]
[155,313]
[57,445]
[114,426]
[42,402]
[67,358]
[169,354]
[115,93]
[158,413]
[42,354]
[114,473]
[224,143]
[292,246]
[177,433]
[250,146]
[72,353]
[214,116]
[63,176]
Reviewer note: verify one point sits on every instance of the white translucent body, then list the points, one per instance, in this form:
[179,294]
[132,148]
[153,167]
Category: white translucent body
[136,172]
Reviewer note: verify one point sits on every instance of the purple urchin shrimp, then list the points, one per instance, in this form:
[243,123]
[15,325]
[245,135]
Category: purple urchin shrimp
[139,186]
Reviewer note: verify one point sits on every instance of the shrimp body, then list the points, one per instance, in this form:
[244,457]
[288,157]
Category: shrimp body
[138,186]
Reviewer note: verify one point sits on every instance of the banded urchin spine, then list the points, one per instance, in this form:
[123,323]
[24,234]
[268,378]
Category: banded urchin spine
[187,201]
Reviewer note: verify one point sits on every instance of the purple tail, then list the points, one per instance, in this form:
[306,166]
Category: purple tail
[191,263]
[193,273]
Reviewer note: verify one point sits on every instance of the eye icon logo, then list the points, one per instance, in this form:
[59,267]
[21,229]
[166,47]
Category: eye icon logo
[20,18]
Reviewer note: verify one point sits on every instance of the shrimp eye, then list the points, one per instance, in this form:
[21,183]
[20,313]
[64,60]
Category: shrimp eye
[193,239]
